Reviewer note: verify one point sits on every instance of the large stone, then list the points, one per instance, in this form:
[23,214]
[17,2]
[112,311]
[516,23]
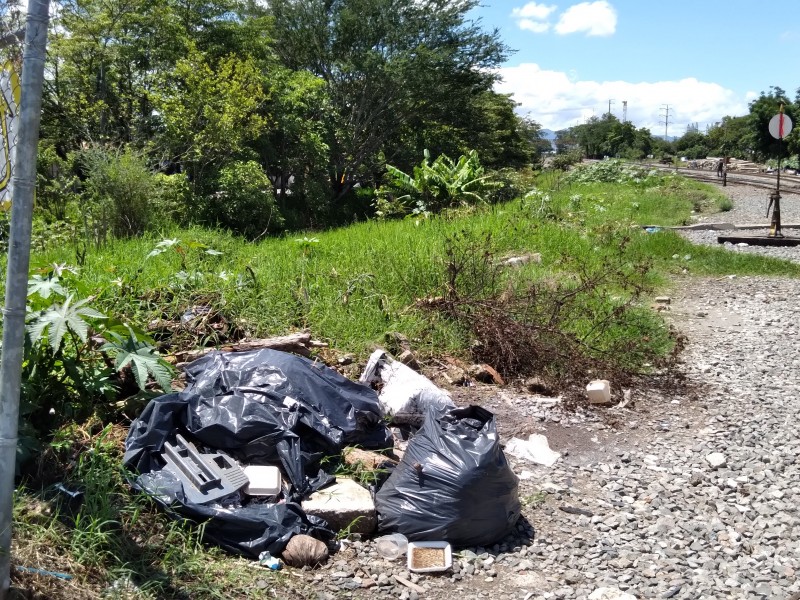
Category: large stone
[716,460]
[344,505]
[609,593]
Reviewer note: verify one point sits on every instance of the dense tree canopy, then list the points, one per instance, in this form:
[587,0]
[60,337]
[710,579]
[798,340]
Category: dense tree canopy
[320,94]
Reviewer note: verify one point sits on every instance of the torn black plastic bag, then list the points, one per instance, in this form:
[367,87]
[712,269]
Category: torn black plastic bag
[260,407]
[453,484]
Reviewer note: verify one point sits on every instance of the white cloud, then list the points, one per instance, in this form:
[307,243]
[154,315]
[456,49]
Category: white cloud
[532,10]
[534,26]
[594,18]
[533,16]
[556,101]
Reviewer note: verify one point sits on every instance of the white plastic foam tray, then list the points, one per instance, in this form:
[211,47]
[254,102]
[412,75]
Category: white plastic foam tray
[448,556]
[264,480]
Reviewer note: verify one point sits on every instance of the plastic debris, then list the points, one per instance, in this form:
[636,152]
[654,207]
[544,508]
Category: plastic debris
[429,557]
[261,407]
[453,483]
[535,449]
[599,391]
[405,394]
[265,559]
[206,477]
[391,546]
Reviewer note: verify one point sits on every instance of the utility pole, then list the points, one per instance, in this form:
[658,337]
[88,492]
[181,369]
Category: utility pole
[665,112]
[624,111]
[24,178]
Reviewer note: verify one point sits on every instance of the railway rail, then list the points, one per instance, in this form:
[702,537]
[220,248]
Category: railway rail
[790,184]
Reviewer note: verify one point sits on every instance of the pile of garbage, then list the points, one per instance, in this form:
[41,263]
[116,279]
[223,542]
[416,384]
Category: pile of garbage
[247,447]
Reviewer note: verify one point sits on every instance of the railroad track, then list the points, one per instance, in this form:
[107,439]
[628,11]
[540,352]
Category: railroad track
[790,184]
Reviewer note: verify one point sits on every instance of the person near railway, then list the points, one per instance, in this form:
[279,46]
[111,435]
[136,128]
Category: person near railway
[719,168]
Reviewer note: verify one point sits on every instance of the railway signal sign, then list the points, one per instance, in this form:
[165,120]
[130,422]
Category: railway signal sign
[780,126]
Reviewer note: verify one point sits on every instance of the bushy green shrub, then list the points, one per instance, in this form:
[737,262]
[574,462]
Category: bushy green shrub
[245,202]
[173,199]
[57,186]
[118,192]
[565,160]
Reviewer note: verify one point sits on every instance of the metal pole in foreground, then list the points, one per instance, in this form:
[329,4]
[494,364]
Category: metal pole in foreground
[17,272]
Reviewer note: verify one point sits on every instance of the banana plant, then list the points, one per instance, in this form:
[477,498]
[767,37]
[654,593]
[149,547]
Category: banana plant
[436,185]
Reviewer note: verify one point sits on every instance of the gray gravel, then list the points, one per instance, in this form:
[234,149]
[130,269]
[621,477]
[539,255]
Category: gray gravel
[750,208]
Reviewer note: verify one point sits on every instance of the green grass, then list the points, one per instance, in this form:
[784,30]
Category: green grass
[349,286]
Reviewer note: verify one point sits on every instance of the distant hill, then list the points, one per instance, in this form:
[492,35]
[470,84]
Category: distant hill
[548,134]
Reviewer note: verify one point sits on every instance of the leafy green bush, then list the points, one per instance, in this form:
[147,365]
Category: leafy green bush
[119,190]
[245,202]
[173,199]
[565,160]
[57,185]
[613,171]
[68,366]
[435,185]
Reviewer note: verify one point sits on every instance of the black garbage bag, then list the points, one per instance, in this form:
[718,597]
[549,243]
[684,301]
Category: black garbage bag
[260,407]
[453,484]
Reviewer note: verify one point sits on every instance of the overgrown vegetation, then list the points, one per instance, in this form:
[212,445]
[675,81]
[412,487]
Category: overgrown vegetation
[78,363]
[434,186]
[576,307]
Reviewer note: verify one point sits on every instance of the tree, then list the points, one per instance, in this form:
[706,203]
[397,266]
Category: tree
[595,136]
[209,112]
[692,145]
[731,137]
[761,111]
[566,140]
[391,67]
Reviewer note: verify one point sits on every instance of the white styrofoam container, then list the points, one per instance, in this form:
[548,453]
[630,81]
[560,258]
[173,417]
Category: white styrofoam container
[448,556]
[599,391]
[264,480]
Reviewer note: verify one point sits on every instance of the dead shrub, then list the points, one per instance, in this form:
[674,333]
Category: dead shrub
[589,320]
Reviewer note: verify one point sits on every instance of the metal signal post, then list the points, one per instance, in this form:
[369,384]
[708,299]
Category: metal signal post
[779,127]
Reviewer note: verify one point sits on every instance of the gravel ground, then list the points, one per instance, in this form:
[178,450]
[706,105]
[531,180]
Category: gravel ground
[691,495]
[750,208]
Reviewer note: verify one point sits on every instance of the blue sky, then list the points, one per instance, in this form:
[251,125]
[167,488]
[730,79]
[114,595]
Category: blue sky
[705,59]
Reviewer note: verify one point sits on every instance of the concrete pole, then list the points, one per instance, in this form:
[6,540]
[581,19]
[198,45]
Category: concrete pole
[24,181]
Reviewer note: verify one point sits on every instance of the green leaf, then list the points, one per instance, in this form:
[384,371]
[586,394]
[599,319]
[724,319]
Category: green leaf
[142,359]
[58,319]
[44,286]
[162,247]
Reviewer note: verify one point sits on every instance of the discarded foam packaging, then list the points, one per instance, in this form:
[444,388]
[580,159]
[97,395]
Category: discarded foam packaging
[263,480]
[599,391]
[205,476]
[429,557]
[391,546]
